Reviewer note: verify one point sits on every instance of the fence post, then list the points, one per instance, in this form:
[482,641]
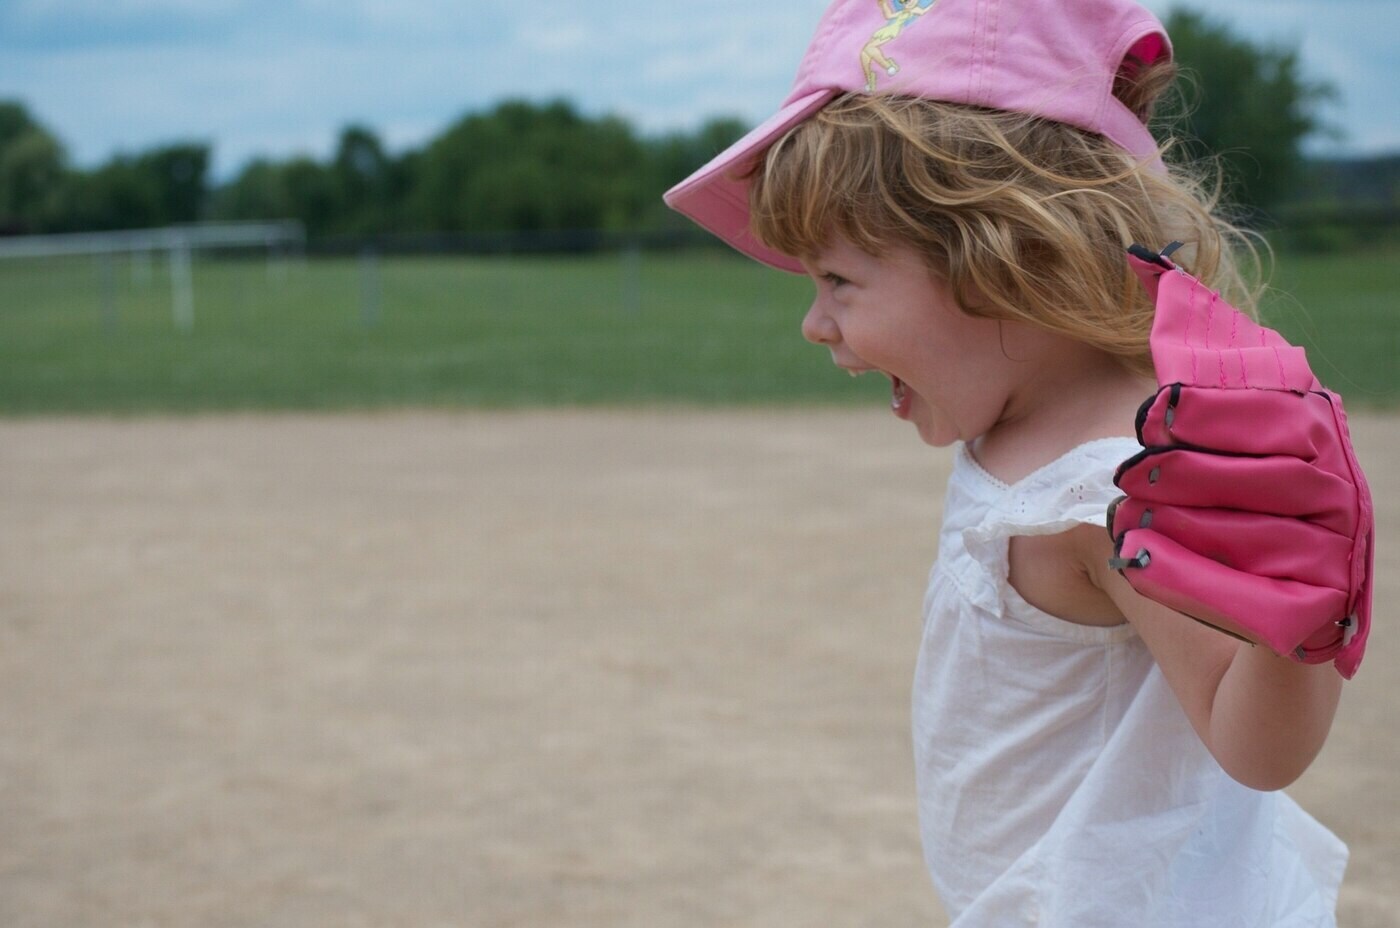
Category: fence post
[107,273]
[181,287]
[370,289]
[277,258]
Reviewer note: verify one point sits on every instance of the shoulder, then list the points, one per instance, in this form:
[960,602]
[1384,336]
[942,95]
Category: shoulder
[1046,572]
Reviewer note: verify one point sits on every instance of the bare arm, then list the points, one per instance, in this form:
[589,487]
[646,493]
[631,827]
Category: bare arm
[1263,717]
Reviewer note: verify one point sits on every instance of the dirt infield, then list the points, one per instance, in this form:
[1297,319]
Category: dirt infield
[527,669]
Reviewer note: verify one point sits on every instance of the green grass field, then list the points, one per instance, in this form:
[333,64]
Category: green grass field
[696,328]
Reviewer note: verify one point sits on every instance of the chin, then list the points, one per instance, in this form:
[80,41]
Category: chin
[935,437]
[936,429]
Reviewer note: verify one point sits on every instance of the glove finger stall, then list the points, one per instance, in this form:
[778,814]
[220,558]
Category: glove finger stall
[1277,485]
[1300,426]
[1295,615]
[1262,544]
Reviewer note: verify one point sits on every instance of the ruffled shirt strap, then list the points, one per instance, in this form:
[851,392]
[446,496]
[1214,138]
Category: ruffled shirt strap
[1073,489]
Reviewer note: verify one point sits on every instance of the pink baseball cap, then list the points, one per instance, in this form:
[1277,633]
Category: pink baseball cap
[1052,58]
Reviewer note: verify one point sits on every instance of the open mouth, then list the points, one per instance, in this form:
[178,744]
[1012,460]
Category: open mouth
[900,394]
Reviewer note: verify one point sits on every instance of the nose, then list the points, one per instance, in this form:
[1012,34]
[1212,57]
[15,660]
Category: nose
[818,327]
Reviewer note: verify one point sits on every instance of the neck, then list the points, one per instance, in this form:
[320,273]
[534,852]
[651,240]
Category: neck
[1074,394]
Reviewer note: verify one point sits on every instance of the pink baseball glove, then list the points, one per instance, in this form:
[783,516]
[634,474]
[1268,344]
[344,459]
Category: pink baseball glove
[1246,508]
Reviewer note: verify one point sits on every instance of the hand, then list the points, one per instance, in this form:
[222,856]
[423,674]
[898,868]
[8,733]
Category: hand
[1246,509]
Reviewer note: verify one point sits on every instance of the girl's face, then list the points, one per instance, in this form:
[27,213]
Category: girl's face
[952,375]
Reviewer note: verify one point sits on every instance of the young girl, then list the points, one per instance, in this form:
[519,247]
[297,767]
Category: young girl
[1085,757]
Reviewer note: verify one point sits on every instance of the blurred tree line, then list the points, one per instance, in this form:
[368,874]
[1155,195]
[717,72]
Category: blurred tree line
[39,192]
[529,167]
[519,167]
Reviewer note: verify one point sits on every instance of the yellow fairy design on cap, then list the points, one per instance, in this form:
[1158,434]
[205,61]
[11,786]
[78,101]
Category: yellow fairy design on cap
[872,55]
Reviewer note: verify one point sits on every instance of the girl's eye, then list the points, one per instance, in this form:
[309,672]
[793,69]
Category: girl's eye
[835,280]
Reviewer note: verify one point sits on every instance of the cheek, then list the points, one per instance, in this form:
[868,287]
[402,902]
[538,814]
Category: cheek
[973,346]
[963,372]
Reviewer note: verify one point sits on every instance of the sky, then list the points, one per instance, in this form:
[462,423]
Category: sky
[275,78]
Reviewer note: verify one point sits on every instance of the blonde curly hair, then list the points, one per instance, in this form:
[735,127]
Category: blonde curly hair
[1026,218]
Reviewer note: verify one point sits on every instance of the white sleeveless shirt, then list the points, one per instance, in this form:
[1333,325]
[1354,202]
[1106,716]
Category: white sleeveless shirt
[1059,780]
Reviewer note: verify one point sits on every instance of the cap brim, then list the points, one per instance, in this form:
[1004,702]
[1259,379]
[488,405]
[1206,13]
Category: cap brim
[717,197]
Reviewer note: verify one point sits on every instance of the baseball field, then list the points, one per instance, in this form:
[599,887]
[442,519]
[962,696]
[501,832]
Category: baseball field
[297,629]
